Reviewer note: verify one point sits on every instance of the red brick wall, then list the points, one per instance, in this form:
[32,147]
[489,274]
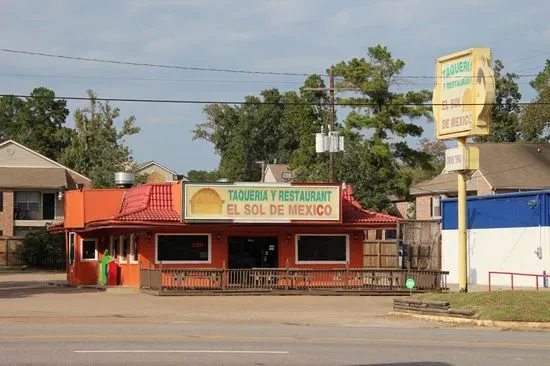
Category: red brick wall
[483,188]
[6,214]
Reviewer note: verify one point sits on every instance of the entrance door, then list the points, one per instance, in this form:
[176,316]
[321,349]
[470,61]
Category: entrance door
[252,252]
[48,206]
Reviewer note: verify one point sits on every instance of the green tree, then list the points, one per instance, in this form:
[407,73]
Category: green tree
[37,122]
[535,117]
[380,122]
[269,127]
[505,125]
[203,175]
[98,150]
[40,248]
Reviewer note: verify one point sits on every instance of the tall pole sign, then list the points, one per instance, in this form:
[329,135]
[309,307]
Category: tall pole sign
[463,97]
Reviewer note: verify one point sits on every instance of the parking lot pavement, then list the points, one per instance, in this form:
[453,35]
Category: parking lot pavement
[27,298]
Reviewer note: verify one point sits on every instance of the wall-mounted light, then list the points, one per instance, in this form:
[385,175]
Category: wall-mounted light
[355,237]
[218,236]
[288,236]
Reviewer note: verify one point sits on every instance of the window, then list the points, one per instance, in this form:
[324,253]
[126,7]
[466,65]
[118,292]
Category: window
[27,206]
[435,208]
[391,235]
[183,248]
[88,250]
[379,234]
[322,248]
[113,247]
[1,201]
[123,252]
[1,233]
[71,248]
[134,248]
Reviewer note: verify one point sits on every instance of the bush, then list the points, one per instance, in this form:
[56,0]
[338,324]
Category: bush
[40,248]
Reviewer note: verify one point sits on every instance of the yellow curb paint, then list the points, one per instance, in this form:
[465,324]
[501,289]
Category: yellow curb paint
[273,338]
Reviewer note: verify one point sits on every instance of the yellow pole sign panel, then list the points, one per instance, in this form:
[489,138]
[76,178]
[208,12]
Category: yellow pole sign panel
[463,94]
[260,202]
[462,158]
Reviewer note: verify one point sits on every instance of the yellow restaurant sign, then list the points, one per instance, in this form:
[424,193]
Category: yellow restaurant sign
[256,202]
[463,94]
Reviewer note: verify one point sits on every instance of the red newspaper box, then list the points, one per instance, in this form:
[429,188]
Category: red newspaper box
[112,273]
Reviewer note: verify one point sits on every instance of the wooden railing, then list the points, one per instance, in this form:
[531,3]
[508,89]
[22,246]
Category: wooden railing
[290,279]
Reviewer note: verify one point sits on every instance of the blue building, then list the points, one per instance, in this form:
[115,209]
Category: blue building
[506,233]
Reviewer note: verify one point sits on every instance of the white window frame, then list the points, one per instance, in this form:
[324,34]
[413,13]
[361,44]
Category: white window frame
[320,262]
[28,201]
[72,239]
[82,240]
[120,258]
[434,199]
[133,246]
[183,262]
[112,245]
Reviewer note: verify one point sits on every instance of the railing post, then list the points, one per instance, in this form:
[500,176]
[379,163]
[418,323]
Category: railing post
[537,280]
[224,276]
[512,278]
[287,276]
[489,281]
[347,274]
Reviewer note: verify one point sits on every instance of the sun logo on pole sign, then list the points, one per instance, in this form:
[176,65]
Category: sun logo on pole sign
[480,104]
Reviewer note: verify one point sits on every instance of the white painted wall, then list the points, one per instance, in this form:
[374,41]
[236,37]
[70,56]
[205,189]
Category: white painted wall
[505,250]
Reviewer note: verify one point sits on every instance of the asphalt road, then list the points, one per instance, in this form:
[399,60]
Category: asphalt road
[256,344]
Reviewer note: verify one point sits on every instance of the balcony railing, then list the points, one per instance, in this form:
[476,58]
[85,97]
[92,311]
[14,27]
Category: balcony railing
[181,280]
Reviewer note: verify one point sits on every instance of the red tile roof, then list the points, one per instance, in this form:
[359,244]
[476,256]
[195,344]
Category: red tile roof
[354,213]
[150,202]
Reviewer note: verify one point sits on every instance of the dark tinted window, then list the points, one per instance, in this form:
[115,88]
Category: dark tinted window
[88,249]
[322,248]
[182,248]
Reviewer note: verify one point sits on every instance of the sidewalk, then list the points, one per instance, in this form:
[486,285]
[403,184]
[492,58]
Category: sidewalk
[26,298]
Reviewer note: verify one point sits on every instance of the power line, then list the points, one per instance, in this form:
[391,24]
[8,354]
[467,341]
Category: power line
[191,101]
[145,64]
[193,68]
[229,81]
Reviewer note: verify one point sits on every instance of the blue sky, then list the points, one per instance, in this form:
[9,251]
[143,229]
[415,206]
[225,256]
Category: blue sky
[265,35]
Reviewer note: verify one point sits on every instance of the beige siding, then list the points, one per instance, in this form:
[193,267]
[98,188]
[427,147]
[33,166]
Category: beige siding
[12,155]
[168,177]
[269,177]
[402,209]
[423,207]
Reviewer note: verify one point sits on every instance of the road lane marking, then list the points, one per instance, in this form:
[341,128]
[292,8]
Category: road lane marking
[180,351]
[271,338]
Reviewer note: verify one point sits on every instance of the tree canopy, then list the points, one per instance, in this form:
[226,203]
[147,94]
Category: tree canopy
[271,127]
[377,127]
[535,118]
[38,122]
[98,149]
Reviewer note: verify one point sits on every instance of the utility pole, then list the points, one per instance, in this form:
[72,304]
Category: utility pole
[331,122]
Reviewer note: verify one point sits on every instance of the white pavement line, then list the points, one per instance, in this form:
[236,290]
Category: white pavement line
[178,351]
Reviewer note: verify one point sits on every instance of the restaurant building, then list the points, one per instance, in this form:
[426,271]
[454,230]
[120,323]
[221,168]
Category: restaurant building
[216,226]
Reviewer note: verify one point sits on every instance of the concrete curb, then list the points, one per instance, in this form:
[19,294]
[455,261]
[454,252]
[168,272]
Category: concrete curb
[477,322]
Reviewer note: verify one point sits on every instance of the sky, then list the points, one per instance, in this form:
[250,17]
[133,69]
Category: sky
[295,36]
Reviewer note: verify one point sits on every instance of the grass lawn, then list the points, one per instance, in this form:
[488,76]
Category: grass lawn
[522,306]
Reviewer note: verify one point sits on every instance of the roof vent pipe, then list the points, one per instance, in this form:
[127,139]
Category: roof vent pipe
[124,179]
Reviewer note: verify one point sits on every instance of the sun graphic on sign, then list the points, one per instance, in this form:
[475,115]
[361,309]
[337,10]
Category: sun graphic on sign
[206,201]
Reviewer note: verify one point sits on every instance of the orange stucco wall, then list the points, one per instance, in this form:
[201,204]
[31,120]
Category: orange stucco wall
[85,273]
[90,204]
